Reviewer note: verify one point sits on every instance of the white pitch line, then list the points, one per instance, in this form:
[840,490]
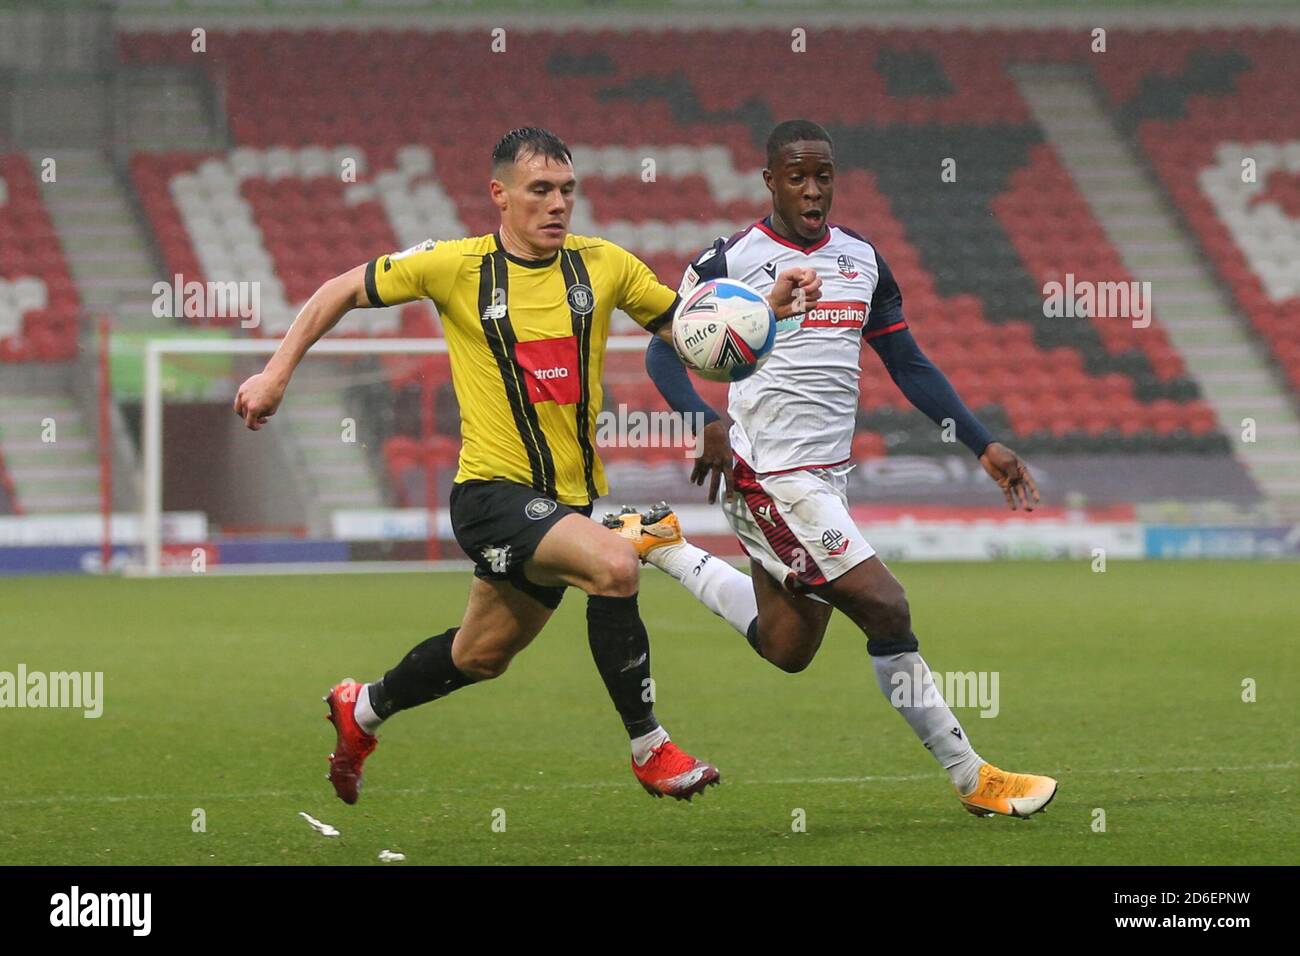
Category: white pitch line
[592,785]
[1108,771]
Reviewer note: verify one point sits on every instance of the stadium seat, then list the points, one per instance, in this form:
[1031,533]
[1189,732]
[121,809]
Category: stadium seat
[1248,230]
[39,305]
[971,270]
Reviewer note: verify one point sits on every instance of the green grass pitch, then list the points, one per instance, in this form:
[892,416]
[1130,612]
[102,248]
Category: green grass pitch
[1126,685]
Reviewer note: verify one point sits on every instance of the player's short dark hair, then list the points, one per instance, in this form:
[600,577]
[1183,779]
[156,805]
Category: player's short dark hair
[793,131]
[529,140]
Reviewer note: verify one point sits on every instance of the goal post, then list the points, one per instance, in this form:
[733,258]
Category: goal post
[655,470]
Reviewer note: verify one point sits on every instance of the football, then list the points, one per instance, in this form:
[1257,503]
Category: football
[724,330]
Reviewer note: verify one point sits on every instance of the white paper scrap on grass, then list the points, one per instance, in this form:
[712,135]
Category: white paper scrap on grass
[324,829]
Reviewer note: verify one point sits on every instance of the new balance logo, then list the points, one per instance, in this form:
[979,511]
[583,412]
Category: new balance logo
[494,313]
[632,665]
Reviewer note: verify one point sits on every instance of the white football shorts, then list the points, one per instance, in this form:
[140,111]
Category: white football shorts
[796,523]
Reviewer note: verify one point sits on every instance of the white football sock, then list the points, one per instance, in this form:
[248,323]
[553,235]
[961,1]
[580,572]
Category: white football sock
[908,685]
[724,590]
[366,717]
[643,745]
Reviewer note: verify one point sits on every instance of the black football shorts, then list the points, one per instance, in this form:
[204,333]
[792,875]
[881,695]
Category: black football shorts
[500,523]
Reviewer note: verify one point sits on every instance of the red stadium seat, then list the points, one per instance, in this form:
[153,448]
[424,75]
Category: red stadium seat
[282,89]
[30,250]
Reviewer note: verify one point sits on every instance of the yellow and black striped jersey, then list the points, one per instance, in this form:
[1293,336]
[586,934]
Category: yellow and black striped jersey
[527,345]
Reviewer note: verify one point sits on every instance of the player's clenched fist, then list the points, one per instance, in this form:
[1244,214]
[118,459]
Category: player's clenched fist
[257,399]
[795,291]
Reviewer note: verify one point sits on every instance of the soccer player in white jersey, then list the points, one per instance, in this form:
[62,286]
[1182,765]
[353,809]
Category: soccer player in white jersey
[787,457]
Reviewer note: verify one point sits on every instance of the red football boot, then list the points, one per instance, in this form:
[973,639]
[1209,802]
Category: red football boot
[353,746]
[673,772]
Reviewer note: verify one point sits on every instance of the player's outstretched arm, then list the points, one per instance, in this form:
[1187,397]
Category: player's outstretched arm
[927,388]
[670,377]
[259,396]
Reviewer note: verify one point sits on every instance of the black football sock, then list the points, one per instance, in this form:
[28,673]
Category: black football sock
[751,635]
[621,649]
[424,674]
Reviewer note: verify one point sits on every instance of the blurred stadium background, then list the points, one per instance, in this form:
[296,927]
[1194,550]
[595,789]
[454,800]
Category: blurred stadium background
[134,150]
[128,156]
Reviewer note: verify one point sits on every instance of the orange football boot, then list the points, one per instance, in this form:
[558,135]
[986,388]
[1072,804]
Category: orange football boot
[1010,794]
[656,528]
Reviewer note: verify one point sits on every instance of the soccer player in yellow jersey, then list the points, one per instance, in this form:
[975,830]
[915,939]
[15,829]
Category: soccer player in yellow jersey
[526,314]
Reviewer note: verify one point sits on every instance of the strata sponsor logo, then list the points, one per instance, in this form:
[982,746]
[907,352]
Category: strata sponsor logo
[1082,299]
[74,908]
[835,315]
[74,690]
[552,368]
[208,300]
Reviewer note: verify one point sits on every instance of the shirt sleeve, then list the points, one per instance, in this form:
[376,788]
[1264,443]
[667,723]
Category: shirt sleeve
[426,271]
[709,264]
[928,389]
[641,295]
[886,304]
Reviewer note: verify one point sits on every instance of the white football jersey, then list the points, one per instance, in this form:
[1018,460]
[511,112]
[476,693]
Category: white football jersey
[799,410]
